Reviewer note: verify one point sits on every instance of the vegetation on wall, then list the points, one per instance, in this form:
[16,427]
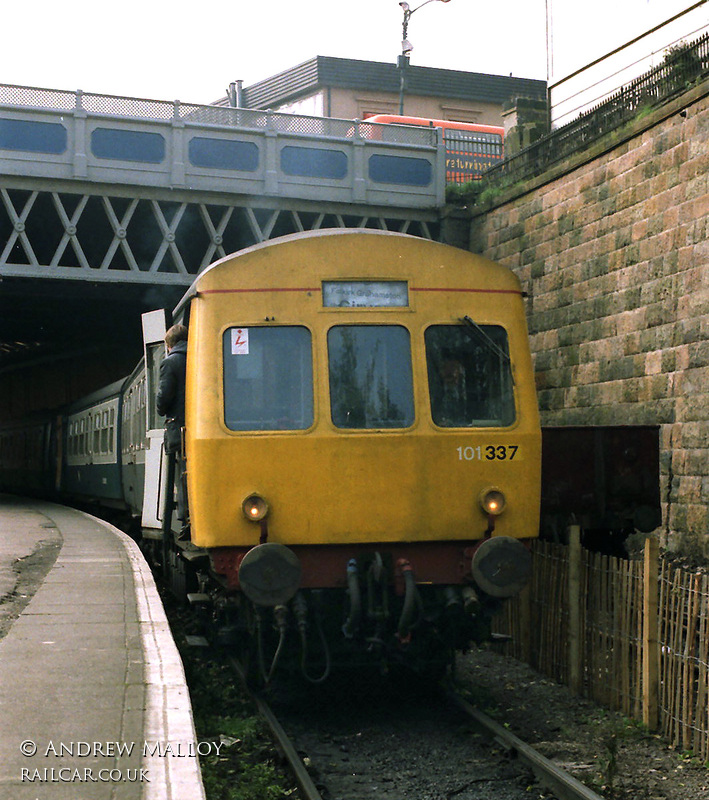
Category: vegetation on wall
[684,66]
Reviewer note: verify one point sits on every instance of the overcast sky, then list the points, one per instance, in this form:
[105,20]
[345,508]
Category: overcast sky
[166,51]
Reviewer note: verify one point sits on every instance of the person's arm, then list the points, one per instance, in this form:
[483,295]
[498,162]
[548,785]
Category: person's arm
[167,387]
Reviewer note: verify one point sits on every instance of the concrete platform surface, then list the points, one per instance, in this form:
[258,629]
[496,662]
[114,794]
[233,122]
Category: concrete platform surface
[93,699]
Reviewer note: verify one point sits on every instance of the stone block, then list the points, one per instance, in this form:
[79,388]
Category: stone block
[653,362]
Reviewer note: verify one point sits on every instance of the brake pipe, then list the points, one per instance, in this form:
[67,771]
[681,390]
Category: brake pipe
[280,613]
[353,618]
[300,612]
[410,600]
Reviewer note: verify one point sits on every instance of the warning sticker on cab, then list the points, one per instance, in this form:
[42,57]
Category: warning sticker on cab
[240,341]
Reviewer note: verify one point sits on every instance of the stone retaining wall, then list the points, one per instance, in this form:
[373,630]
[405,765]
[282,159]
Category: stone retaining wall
[614,253]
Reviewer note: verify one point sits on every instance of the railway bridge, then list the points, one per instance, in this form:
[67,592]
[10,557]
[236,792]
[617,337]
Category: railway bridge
[111,205]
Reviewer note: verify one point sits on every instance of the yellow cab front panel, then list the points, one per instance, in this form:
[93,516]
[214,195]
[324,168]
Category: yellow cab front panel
[318,378]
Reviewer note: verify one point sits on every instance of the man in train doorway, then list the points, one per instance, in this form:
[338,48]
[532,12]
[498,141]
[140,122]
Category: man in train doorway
[170,403]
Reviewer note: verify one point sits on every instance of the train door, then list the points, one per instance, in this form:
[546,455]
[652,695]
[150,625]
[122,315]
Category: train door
[154,329]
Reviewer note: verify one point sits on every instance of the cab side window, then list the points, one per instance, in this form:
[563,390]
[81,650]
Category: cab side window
[268,378]
[469,376]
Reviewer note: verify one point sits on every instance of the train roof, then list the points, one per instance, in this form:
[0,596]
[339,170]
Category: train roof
[98,396]
[486,270]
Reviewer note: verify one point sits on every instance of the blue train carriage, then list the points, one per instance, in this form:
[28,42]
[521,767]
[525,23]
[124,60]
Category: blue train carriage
[91,454]
[134,439]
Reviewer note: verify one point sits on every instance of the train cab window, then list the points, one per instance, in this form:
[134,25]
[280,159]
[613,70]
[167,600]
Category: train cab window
[370,376]
[469,376]
[268,378]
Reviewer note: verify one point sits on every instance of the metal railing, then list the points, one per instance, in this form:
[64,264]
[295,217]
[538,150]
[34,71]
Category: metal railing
[683,67]
[224,116]
[599,80]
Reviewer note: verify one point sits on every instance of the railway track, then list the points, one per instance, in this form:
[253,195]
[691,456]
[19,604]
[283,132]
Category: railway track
[493,764]
[296,764]
[561,783]
[497,765]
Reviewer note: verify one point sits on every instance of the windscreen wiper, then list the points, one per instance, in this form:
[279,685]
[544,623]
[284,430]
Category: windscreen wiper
[488,342]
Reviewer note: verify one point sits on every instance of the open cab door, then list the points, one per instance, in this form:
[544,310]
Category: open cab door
[154,329]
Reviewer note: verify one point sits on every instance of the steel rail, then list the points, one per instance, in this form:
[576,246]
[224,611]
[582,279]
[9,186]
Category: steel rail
[564,786]
[283,742]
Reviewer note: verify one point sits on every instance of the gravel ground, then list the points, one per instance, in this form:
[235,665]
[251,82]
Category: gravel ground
[398,740]
[602,749]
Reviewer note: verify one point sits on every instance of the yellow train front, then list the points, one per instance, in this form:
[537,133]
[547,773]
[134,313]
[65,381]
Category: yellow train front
[363,445]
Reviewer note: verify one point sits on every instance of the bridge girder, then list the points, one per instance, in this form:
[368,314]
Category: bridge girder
[82,261]
[158,237]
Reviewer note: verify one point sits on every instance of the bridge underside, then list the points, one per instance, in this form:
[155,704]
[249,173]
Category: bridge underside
[159,237]
[82,262]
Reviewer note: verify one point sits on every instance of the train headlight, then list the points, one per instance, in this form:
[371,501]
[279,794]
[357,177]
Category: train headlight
[255,508]
[492,501]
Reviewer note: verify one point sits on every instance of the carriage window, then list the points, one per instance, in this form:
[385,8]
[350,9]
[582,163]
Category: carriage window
[154,354]
[268,379]
[469,377]
[370,376]
[112,431]
[96,444]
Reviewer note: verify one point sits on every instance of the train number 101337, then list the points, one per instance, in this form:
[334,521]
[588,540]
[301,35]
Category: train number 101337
[500,452]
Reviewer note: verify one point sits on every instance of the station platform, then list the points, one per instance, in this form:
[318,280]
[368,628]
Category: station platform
[93,699]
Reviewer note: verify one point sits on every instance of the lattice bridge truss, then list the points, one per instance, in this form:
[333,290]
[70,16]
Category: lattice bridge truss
[158,238]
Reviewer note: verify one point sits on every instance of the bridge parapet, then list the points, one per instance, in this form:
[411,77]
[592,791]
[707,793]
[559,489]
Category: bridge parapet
[77,136]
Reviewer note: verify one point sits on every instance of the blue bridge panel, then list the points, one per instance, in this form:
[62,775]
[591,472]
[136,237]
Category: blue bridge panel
[311,162]
[223,151]
[400,170]
[223,154]
[32,137]
[148,148]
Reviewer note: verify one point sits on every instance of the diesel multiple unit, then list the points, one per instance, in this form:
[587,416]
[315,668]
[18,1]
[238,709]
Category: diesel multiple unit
[362,445]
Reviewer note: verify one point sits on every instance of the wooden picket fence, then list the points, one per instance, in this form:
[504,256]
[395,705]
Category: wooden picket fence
[631,635]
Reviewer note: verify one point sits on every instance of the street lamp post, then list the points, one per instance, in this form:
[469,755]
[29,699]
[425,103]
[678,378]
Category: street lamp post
[402,61]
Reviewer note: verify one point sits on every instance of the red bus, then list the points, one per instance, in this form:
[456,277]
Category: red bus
[471,149]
